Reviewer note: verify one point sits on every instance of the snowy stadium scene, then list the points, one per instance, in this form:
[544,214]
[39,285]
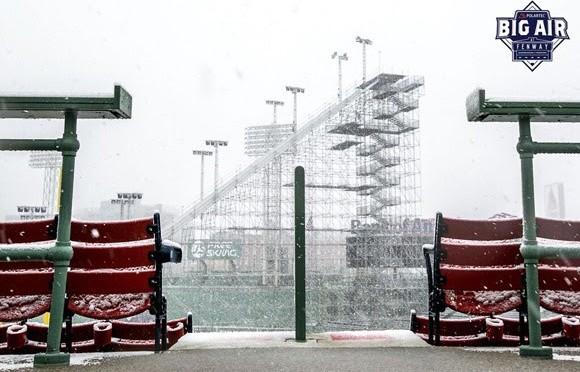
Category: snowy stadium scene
[270,187]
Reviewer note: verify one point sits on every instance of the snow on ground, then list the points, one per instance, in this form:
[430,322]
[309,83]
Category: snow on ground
[210,340]
[228,340]
[16,362]
[223,340]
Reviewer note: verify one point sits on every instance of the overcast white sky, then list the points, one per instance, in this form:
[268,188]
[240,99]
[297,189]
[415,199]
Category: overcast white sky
[201,70]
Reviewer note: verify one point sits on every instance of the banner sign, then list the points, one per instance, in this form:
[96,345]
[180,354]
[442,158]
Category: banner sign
[215,249]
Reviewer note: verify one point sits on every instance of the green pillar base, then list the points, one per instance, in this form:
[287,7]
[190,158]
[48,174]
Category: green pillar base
[52,359]
[536,352]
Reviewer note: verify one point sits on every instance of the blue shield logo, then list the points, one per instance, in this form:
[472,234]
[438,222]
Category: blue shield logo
[532,35]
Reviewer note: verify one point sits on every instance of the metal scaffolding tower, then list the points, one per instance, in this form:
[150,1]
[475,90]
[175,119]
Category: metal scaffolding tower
[363,202]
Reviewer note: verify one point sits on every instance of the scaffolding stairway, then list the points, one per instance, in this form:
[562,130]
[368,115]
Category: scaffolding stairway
[393,98]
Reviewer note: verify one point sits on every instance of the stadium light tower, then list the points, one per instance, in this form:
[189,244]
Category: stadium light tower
[27,212]
[340,58]
[51,162]
[202,154]
[275,104]
[364,43]
[124,198]
[216,144]
[294,91]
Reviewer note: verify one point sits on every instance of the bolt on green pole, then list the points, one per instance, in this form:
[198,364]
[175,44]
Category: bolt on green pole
[300,255]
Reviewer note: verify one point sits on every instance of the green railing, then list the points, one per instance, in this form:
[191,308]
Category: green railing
[492,110]
[60,253]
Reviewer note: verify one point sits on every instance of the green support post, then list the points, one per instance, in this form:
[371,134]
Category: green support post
[300,255]
[63,249]
[534,349]
[490,110]
[69,108]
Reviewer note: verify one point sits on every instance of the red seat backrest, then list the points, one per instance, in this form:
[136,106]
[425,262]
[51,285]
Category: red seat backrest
[27,231]
[111,268]
[559,278]
[26,285]
[481,265]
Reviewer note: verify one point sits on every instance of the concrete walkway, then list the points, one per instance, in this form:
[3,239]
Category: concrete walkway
[337,351]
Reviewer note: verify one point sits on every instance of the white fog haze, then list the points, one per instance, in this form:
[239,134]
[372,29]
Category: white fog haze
[201,70]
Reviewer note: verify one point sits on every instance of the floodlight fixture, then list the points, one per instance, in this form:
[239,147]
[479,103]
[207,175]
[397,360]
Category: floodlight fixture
[31,212]
[42,159]
[126,198]
[295,89]
[275,104]
[216,143]
[364,43]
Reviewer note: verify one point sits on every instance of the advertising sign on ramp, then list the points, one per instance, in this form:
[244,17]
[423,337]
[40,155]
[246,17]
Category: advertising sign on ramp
[215,249]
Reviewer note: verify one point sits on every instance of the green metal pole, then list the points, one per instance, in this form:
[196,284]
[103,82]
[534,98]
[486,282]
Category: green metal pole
[63,249]
[534,349]
[300,255]
[30,145]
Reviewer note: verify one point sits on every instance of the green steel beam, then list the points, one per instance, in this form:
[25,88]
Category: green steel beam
[60,253]
[537,251]
[116,107]
[480,108]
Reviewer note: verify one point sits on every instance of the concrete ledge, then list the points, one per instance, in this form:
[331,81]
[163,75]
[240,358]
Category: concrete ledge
[230,340]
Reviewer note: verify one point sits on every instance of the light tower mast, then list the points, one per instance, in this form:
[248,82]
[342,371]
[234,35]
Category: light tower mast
[275,104]
[51,162]
[202,154]
[340,58]
[364,43]
[294,91]
[216,144]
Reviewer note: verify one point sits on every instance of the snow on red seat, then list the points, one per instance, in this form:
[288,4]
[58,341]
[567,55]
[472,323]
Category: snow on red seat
[129,336]
[26,285]
[477,270]
[452,332]
[505,331]
[559,278]
[116,272]
[114,288]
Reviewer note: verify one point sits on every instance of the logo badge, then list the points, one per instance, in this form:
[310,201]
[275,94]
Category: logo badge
[532,35]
